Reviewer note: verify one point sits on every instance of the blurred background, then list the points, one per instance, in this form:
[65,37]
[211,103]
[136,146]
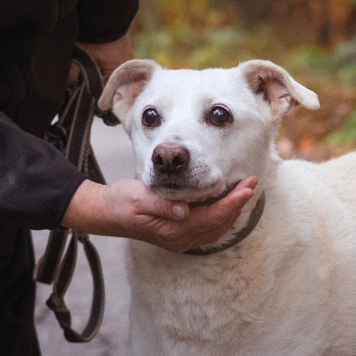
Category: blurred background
[315,41]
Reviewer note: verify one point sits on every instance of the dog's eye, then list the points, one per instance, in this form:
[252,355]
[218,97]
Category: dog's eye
[151,118]
[220,116]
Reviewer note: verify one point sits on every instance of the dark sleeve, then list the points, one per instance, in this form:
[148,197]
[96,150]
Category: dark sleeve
[36,181]
[102,21]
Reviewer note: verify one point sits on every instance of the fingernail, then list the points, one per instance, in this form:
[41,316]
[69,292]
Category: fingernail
[249,195]
[253,183]
[178,211]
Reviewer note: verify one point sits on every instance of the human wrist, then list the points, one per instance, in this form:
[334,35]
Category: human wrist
[86,209]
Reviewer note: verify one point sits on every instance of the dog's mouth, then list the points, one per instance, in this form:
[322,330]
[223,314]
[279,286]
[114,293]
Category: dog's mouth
[182,191]
[171,187]
[212,200]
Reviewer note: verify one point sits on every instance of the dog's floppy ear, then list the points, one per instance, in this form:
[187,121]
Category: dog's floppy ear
[125,84]
[277,87]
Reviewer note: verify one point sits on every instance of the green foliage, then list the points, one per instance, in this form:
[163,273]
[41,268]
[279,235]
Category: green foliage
[210,33]
[344,60]
[337,64]
[346,134]
[180,46]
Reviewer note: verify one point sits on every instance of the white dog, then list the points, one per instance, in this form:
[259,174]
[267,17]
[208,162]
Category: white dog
[283,281]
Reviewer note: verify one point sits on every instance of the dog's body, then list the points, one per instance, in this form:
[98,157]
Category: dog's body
[288,288]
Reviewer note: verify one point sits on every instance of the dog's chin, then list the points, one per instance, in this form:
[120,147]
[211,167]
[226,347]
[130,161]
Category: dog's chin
[196,196]
[212,199]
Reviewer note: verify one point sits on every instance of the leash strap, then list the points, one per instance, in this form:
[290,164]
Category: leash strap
[62,282]
[71,135]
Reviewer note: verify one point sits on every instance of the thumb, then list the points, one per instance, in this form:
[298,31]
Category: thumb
[158,206]
[171,209]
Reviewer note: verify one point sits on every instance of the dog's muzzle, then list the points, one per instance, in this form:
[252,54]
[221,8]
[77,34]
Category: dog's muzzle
[170,171]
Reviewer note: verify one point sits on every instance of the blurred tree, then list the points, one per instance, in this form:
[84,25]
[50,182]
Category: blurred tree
[326,22]
[253,11]
[148,18]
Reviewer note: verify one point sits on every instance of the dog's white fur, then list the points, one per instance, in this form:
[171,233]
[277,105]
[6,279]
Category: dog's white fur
[289,288]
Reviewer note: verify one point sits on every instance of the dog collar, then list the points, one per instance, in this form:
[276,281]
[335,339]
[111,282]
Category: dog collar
[238,236]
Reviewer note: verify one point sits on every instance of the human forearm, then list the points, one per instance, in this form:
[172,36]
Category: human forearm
[84,212]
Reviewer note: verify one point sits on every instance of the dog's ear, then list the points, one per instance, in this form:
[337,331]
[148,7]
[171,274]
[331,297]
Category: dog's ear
[277,87]
[125,84]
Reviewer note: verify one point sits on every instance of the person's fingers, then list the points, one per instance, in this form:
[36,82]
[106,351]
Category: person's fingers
[157,206]
[239,196]
[145,201]
[232,203]
[170,209]
[217,218]
[223,212]
[73,75]
[248,182]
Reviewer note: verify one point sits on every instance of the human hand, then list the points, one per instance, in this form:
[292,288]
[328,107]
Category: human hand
[107,55]
[129,209]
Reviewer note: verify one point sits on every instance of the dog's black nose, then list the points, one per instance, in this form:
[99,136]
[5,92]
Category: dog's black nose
[170,158]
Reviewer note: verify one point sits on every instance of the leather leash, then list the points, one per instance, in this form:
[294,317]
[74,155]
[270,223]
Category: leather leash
[71,135]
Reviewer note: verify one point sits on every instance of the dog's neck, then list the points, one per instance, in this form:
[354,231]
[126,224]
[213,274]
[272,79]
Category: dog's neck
[252,222]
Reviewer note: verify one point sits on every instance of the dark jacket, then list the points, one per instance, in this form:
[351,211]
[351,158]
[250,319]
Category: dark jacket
[36,43]
[36,182]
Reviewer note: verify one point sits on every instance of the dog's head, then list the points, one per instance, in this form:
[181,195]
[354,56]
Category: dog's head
[197,133]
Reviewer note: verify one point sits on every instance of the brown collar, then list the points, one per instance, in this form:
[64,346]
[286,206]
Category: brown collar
[238,236]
